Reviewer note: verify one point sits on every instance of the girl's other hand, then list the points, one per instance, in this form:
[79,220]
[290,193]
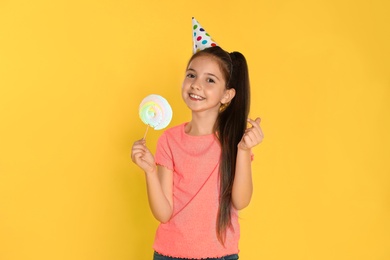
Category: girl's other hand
[142,157]
[252,136]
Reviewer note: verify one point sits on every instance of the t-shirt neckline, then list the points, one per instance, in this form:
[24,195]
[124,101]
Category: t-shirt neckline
[194,136]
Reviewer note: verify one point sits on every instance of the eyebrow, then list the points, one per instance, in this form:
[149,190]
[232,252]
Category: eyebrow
[210,74]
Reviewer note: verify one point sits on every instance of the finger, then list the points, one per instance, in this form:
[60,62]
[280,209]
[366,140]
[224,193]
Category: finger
[148,161]
[257,120]
[140,145]
[257,126]
[139,149]
[137,157]
[258,133]
[255,131]
[255,123]
[248,138]
[140,142]
[256,136]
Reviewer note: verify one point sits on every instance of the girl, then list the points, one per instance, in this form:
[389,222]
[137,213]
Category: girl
[201,173]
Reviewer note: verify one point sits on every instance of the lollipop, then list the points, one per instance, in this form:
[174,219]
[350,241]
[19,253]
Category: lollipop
[155,112]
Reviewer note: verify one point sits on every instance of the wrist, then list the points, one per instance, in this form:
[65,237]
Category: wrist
[241,148]
[151,171]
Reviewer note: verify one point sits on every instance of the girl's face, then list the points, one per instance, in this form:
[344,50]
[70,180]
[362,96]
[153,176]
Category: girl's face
[204,86]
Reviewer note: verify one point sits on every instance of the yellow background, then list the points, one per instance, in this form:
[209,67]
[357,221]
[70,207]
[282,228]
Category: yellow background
[73,72]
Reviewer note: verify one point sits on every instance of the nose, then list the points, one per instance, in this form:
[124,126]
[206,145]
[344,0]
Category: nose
[195,84]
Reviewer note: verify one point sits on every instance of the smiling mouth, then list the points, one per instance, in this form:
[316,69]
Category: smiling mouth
[196,97]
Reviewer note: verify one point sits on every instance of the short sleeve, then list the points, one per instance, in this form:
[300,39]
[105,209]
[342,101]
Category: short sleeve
[163,155]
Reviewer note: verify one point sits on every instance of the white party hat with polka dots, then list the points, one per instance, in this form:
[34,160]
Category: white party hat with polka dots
[201,38]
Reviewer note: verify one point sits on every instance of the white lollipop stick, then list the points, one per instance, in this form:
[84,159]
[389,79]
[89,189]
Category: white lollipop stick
[147,128]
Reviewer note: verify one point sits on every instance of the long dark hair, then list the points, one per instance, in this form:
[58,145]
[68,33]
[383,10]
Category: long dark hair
[229,127]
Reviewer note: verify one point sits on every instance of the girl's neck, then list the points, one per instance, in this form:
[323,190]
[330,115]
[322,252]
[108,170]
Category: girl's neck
[201,125]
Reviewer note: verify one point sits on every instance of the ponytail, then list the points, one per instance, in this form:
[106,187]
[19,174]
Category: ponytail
[230,127]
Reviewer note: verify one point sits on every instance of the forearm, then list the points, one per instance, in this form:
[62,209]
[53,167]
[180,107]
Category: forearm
[242,185]
[158,202]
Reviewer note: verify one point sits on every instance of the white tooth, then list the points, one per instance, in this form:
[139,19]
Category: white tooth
[195,96]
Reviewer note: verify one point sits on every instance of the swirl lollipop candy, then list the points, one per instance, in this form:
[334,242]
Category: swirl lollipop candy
[155,112]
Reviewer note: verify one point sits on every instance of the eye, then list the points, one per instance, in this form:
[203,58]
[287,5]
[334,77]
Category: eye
[190,75]
[210,80]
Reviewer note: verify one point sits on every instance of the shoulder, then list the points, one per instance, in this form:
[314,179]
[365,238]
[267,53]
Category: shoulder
[170,140]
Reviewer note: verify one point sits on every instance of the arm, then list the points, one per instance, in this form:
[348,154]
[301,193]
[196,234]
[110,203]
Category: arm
[159,187]
[242,186]
[159,182]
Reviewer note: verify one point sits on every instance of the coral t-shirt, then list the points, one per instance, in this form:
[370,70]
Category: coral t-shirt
[191,231]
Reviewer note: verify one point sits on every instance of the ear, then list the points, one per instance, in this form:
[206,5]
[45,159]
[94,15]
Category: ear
[228,96]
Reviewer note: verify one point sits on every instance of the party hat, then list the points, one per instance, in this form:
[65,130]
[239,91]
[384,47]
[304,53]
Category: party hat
[201,38]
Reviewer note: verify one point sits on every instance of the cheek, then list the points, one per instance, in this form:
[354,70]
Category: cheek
[185,83]
[184,89]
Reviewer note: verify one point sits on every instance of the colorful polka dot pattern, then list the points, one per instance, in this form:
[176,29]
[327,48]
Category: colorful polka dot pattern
[155,111]
[201,38]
